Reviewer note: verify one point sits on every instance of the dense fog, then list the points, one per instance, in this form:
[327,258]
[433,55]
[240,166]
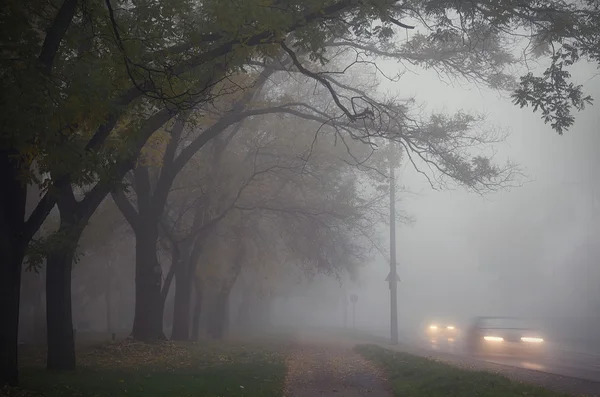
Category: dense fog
[182,183]
[525,250]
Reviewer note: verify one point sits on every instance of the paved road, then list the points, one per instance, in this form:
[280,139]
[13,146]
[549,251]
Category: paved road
[563,362]
[557,361]
[569,372]
[555,365]
[566,373]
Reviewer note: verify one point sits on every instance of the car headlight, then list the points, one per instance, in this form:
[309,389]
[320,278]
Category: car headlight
[532,340]
[433,327]
[450,327]
[493,338]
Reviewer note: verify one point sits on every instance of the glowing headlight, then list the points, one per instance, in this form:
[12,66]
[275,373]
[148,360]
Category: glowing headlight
[493,338]
[450,327]
[433,327]
[532,340]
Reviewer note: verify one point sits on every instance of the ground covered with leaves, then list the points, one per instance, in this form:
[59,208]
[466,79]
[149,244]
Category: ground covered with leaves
[131,368]
[327,365]
[412,376]
[332,369]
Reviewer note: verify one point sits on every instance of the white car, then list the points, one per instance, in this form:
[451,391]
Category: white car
[503,336]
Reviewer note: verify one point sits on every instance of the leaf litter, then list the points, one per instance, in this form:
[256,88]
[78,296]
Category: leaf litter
[331,368]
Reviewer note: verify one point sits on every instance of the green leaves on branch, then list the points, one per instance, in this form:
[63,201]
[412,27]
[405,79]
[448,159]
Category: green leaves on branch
[552,93]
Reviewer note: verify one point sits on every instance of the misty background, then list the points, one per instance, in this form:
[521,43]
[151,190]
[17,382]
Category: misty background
[525,251]
[522,251]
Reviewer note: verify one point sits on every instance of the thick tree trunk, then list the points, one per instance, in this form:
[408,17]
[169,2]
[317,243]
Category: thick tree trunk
[219,315]
[149,304]
[217,320]
[265,313]
[243,314]
[10,291]
[13,197]
[39,313]
[182,302]
[59,264]
[108,297]
[61,342]
[254,313]
[197,311]
[185,276]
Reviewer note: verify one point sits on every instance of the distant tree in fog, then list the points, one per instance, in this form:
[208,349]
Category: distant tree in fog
[271,170]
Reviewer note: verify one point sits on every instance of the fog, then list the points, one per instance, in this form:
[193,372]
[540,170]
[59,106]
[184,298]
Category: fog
[272,185]
[521,252]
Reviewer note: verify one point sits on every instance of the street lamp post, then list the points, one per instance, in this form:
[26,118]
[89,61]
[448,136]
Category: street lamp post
[353,299]
[393,275]
[345,309]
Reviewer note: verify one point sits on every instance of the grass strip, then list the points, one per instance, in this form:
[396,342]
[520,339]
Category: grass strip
[173,371]
[413,376]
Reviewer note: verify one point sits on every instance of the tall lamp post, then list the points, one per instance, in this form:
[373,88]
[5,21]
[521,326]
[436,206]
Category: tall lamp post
[353,299]
[393,276]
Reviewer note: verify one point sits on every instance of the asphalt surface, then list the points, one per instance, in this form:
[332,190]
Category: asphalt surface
[553,360]
[570,372]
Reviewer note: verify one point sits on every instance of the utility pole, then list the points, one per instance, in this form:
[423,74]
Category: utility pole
[345,307]
[591,232]
[353,299]
[393,275]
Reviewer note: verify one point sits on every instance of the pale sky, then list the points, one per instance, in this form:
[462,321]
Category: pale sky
[437,257]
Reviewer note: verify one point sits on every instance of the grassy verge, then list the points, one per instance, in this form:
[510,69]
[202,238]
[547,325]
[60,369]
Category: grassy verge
[412,376]
[134,369]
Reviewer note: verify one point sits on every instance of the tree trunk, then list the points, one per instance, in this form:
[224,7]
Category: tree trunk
[107,299]
[219,316]
[148,317]
[217,320]
[243,314]
[13,197]
[61,341]
[254,312]
[182,303]
[10,291]
[39,312]
[265,313]
[197,311]
[185,276]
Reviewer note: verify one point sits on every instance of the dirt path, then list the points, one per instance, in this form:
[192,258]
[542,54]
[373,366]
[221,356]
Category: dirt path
[320,367]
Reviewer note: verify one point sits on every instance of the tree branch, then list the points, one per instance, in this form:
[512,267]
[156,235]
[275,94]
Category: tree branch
[352,116]
[398,23]
[223,123]
[55,34]
[143,189]
[127,209]
[167,173]
[175,262]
